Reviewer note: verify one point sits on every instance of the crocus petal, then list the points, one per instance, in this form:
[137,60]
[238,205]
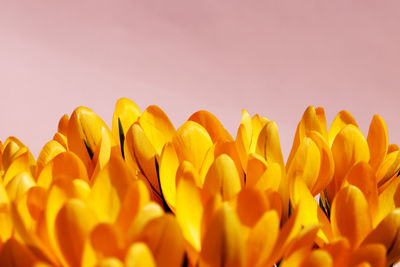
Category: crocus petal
[389,167]
[392,148]
[110,262]
[271,180]
[327,165]
[109,189]
[387,233]
[229,148]
[19,185]
[50,150]
[389,199]
[157,127]
[309,122]
[84,133]
[318,258]
[251,204]
[187,171]
[213,126]
[342,119]
[189,211]
[126,113]
[136,197]
[145,215]
[243,138]
[308,209]
[373,254]
[340,251]
[106,240]
[262,239]
[257,124]
[378,141]
[140,150]
[16,254]
[303,241]
[169,163]
[268,144]
[350,215]
[256,168]
[223,243]
[363,176]
[63,124]
[165,240]
[19,165]
[72,227]
[348,148]
[36,201]
[64,165]
[306,163]
[223,178]
[62,139]
[14,149]
[102,153]
[192,142]
[138,255]
[58,194]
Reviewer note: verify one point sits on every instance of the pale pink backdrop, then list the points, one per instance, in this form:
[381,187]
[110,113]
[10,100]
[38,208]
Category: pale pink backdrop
[269,57]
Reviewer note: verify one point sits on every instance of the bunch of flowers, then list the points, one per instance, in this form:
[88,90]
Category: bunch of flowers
[147,194]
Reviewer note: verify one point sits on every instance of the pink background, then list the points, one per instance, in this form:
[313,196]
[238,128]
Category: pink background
[269,57]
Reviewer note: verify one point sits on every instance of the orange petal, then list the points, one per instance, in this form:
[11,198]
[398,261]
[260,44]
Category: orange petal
[164,238]
[327,166]
[50,150]
[140,149]
[223,242]
[349,148]
[389,167]
[149,212]
[126,113]
[169,164]
[139,255]
[109,190]
[192,142]
[16,254]
[318,258]
[387,233]
[373,254]
[308,209]
[378,141]
[262,238]
[72,226]
[212,125]
[309,122]
[106,240]
[306,163]
[342,119]
[392,148]
[340,251]
[389,199]
[230,149]
[189,212]
[157,127]
[350,216]
[257,124]
[223,178]
[63,125]
[85,126]
[363,176]
[251,204]
[268,144]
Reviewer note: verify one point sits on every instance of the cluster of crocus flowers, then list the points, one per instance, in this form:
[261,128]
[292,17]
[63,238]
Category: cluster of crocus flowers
[147,194]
